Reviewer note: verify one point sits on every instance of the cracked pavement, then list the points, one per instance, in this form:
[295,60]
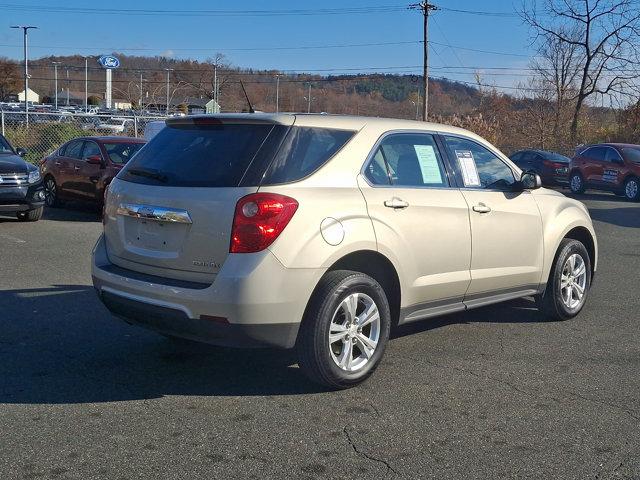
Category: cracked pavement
[491,393]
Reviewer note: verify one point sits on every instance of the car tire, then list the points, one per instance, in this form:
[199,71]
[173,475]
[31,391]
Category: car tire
[570,274]
[353,309]
[576,183]
[30,215]
[51,192]
[632,189]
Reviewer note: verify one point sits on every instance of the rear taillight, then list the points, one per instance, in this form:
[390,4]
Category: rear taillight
[259,219]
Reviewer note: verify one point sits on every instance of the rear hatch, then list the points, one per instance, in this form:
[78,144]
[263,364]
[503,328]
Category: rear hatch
[170,210]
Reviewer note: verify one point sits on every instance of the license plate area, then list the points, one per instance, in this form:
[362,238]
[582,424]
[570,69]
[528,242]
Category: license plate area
[154,235]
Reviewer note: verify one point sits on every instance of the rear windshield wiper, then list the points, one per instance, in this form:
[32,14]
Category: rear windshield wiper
[149,173]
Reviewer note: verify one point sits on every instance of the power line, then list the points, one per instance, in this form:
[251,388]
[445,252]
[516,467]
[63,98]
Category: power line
[373,9]
[239,49]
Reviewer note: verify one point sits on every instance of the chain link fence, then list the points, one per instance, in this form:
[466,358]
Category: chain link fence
[41,133]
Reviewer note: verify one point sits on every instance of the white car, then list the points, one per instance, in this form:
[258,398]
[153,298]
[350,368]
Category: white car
[116,125]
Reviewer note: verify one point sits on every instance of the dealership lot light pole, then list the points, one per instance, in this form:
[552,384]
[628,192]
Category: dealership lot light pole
[168,73]
[25,29]
[55,81]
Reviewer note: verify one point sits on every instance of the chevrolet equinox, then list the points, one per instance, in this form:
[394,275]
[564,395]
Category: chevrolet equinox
[323,232]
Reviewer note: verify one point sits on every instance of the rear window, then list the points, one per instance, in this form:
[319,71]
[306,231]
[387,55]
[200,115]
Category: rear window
[187,155]
[230,155]
[632,153]
[303,151]
[121,153]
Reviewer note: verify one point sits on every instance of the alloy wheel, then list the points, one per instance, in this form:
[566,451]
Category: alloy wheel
[573,281]
[354,332]
[50,192]
[631,189]
[576,183]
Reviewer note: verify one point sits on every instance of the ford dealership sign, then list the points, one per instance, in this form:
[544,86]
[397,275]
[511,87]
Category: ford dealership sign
[109,62]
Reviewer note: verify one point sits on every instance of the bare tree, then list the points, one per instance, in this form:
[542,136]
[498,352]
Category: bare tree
[9,78]
[605,36]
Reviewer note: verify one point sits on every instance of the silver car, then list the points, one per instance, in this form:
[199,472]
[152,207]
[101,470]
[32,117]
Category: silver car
[323,232]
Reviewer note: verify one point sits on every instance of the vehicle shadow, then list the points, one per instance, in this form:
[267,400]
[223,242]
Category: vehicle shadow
[60,345]
[73,211]
[621,217]
[595,196]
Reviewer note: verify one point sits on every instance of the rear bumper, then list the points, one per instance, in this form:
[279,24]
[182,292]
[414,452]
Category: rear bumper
[253,301]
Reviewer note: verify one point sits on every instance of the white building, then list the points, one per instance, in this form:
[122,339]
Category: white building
[31,96]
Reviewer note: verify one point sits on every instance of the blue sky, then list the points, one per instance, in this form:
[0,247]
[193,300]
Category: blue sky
[199,36]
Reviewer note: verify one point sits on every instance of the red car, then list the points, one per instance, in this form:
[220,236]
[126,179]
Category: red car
[613,167]
[83,167]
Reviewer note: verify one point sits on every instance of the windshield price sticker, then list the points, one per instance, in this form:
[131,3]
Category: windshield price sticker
[468,168]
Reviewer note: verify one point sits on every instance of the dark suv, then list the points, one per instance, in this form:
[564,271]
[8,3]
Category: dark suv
[20,184]
[82,168]
[613,167]
[552,167]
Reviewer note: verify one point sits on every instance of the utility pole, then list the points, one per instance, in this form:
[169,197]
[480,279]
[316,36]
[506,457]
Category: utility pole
[140,105]
[25,29]
[67,86]
[86,85]
[55,81]
[425,7]
[309,100]
[215,82]
[168,73]
[277,93]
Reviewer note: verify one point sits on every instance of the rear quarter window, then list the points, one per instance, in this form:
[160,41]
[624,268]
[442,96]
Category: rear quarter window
[303,151]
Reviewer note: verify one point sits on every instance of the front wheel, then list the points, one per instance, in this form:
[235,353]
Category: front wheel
[569,281]
[51,192]
[632,189]
[30,215]
[576,183]
[345,330]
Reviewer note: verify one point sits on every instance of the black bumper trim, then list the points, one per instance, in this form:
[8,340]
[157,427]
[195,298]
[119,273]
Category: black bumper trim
[145,277]
[176,323]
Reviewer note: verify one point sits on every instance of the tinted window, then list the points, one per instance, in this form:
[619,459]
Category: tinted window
[632,154]
[376,170]
[121,153]
[596,153]
[516,157]
[4,146]
[192,155]
[613,156]
[490,171]
[412,160]
[303,151]
[90,148]
[74,149]
[556,157]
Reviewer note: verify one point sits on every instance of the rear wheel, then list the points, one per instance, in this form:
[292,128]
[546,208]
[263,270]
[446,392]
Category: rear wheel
[576,183]
[632,189]
[51,192]
[569,281]
[345,329]
[30,215]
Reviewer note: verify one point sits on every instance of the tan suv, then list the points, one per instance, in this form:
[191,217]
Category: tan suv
[322,232]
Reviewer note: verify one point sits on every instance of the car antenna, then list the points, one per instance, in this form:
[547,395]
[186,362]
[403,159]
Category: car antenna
[251,110]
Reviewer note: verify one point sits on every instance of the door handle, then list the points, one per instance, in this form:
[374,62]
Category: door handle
[481,208]
[76,168]
[57,163]
[396,203]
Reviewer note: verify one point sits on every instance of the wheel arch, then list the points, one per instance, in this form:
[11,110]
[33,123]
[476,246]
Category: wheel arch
[380,268]
[583,235]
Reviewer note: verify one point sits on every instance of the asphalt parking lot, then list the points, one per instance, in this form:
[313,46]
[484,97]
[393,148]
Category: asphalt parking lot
[493,393]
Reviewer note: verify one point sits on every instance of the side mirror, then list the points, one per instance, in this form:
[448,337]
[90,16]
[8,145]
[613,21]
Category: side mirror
[530,180]
[94,160]
[21,151]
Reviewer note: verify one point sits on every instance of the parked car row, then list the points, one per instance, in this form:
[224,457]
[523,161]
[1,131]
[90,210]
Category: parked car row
[612,167]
